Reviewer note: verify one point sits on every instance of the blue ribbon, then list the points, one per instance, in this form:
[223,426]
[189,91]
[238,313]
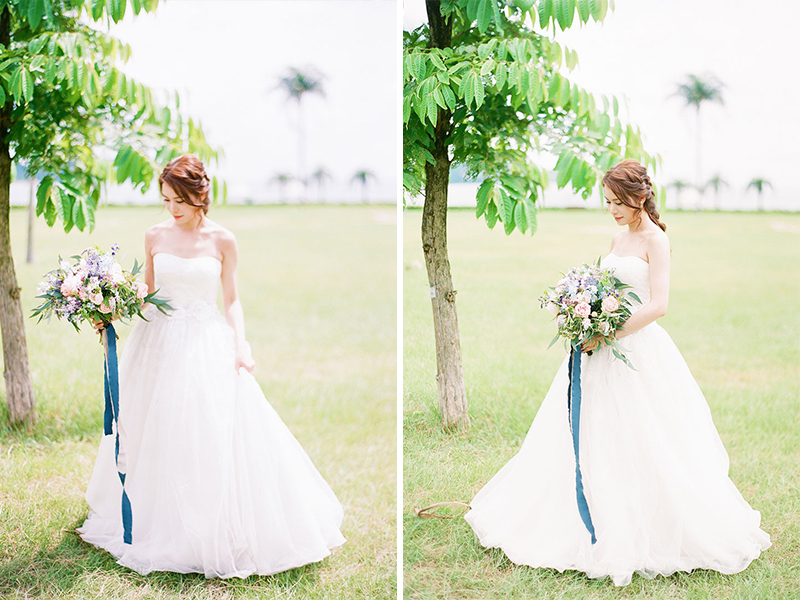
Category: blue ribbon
[574,411]
[111,418]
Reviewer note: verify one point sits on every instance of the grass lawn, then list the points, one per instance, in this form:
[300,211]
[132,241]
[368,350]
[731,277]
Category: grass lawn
[318,286]
[733,313]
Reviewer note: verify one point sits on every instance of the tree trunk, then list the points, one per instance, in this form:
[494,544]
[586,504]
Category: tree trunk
[31,219]
[449,370]
[19,387]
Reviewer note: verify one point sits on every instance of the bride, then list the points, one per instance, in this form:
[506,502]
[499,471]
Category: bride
[653,467]
[216,482]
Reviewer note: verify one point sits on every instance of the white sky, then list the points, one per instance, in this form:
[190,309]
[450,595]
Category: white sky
[645,47]
[224,57]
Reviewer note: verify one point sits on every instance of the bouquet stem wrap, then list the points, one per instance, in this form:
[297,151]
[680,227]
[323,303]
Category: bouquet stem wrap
[111,420]
[574,411]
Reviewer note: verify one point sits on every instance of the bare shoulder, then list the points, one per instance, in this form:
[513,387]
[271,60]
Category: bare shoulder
[616,238]
[155,233]
[657,243]
[223,238]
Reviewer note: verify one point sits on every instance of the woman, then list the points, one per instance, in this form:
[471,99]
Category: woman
[217,484]
[654,470]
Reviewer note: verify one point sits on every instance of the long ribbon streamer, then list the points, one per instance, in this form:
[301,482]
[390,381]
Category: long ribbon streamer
[111,421]
[574,410]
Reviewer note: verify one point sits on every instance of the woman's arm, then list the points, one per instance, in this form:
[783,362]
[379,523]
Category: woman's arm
[231,304]
[658,255]
[149,276]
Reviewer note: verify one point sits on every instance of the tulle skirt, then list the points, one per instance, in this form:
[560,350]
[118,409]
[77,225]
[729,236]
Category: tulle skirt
[217,483]
[655,476]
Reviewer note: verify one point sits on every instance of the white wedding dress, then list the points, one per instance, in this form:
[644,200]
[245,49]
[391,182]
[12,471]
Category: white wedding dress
[217,483]
[655,472]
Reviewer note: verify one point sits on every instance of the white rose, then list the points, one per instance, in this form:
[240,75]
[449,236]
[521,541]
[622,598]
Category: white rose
[553,308]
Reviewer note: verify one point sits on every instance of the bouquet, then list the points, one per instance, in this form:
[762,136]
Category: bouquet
[590,301]
[94,288]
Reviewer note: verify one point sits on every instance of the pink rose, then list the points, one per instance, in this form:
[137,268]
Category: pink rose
[553,308]
[82,293]
[96,298]
[70,285]
[582,309]
[141,290]
[610,304]
[104,309]
[560,320]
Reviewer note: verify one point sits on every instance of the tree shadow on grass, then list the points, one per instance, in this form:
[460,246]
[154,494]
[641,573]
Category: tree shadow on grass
[73,563]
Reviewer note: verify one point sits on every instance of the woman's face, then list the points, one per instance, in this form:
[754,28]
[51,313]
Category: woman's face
[623,214]
[180,210]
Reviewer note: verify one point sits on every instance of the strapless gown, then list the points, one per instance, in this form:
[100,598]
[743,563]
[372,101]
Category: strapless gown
[655,472]
[217,483]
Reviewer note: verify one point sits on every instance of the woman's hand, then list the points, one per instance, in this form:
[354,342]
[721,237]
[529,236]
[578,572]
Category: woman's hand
[591,344]
[99,326]
[244,359]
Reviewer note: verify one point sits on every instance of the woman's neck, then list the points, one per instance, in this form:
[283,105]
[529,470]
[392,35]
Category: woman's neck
[192,225]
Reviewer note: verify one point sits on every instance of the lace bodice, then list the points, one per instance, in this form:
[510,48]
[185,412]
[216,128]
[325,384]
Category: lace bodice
[635,272]
[189,284]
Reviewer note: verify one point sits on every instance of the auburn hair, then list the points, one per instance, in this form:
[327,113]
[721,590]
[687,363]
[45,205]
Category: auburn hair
[632,186]
[187,176]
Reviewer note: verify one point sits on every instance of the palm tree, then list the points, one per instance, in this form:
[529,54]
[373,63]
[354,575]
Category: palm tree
[363,176]
[282,179]
[320,176]
[297,84]
[695,91]
[759,184]
[717,182]
[679,186]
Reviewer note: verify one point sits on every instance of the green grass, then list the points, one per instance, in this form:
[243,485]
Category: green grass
[735,286]
[318,288]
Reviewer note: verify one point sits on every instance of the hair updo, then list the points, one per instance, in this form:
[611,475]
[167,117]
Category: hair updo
[632,186]
[187,176]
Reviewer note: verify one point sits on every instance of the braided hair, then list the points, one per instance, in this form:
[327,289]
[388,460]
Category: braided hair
[632,186]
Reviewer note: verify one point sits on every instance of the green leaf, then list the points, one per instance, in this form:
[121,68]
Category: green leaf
[406,109]
[50,213]
[531,214]
[635,297]
[520,217]
[449,97]
[484,14]
[437,62]
[27,85]
[500,74]
[545,9]
[565,12]
[43,193]
[585,10]
[555,339]
[491,215]
[432,109]
[478,91]
[35,13]
[484,194]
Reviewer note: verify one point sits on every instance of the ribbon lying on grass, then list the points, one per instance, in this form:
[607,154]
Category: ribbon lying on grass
[430,511]
[574,410]
[111,420]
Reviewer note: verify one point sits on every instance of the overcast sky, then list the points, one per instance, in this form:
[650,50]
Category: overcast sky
[225,58]
[645,47]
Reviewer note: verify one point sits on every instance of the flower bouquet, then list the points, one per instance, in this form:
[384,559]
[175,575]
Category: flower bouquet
[94,288]
[590,301]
